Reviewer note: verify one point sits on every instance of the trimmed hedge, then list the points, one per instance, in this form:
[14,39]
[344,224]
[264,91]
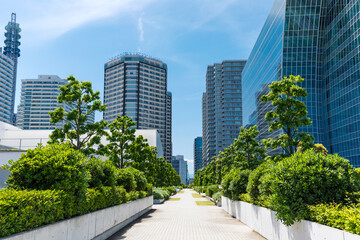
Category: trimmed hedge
[217,196]
[102,173]
[344,217]
[28,209]
[161,193]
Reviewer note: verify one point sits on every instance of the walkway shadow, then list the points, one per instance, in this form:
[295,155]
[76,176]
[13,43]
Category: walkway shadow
[120,234]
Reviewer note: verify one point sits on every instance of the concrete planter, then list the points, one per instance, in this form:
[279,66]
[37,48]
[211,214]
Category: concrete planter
[97,225]
[158,201]
[263,221]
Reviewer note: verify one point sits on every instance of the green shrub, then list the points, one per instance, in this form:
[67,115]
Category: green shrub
[172,190]
[133,195]
[51,167]
[126,178]
[28,209]
[140,179]
[258,187]
[149,189]
[160,193]
[234,183]
[217,196]
[102,173]
[344,217]
[198,189]
[210,190]
[308,178]
[103,197]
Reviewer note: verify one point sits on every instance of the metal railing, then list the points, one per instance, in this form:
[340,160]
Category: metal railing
[21,143]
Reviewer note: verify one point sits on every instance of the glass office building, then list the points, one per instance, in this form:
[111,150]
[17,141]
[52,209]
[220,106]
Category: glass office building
[198,164]
[221,107]
[136,85]
[318,40]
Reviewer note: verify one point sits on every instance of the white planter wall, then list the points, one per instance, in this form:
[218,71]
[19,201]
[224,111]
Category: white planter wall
[263,221]
[100,224]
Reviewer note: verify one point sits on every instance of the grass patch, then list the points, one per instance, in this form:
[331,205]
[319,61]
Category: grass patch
[182,191]
[196,195]
[174,199]
[204,203]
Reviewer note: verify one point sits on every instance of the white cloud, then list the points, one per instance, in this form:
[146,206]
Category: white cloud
[52,18]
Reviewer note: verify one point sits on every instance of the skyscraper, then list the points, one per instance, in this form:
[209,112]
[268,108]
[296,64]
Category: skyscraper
[6,78]
[180,165]
[38,98]
[198,143]
[318,40]
[136,85]
[222,107]
[12,51]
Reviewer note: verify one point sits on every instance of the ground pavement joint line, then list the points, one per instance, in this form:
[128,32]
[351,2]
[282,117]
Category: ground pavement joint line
[185,220]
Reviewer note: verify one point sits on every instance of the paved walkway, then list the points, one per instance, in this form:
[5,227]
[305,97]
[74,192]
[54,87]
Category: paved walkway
[185,220]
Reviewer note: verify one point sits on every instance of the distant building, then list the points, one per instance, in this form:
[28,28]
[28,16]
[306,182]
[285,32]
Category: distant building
[6,86]
[222,107]
[198,163]
[12,51]
[136,85]
[317,40]
[181,167]
[38,98]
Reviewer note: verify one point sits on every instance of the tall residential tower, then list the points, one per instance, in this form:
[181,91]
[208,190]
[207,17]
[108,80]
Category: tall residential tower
[136,85]
[222,107]
[6,87]
[12,51]
[319,41]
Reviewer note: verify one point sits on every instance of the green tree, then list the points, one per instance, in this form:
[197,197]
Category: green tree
[249,153]
[289,114]
[121,136]
[80,134]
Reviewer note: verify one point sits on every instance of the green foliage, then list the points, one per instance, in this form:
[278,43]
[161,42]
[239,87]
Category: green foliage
[234,183]
[258,186]
[344,217]
[172,190]
[249,154]
[125,177]
[103,197]
[51,167]
[102,173]
[289,114]
[199,189]
[122,134]
[140,179]
[28,209]
[165,174]
[161,193]
[84,101]
[217,196]
[210,190]
[308,178]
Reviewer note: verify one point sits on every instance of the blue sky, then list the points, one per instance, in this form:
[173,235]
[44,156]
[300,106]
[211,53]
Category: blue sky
[78,36]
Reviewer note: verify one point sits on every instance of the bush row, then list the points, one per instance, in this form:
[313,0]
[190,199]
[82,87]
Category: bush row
[22,210]
[56,182]
[163,192]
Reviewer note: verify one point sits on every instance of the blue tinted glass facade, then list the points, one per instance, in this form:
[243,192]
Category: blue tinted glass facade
[318,40]
[198,154]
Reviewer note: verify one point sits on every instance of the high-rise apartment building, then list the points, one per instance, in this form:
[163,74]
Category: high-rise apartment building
[198,163]
[136,85]
[319,41]
[222,107]
[6,78]
[12,51]
[38,98]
